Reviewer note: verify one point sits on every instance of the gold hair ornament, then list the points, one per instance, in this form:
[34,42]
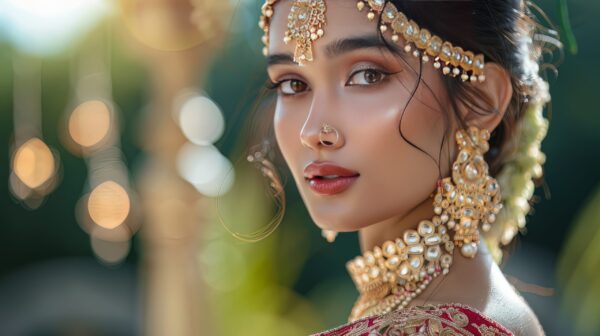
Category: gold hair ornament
[305,25]
[425,44]
[307,19]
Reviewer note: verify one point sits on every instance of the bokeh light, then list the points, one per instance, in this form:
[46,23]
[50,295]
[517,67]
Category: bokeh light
[205,168]
[110,251]
[34,163]
[48,27]
[109,205]
[110,246]
[89,123]
[221,184]
[201,120]
[162,24]
[18,188]
[186,266]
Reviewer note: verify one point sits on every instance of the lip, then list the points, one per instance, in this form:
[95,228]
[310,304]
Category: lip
[315,172]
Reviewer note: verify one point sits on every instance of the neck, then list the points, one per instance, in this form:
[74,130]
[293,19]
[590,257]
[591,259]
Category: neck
[390,229]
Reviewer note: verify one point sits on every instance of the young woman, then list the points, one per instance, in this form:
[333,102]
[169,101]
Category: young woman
[417,124]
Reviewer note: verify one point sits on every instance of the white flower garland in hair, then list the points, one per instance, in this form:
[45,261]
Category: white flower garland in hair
[517,174]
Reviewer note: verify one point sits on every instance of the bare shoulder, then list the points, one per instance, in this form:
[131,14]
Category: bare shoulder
[507,307]
[480,284]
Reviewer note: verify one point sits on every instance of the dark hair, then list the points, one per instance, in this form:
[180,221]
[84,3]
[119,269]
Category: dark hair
[508,33]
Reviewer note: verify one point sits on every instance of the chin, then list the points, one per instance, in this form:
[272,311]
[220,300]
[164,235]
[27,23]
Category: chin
[340,213]
[336,220]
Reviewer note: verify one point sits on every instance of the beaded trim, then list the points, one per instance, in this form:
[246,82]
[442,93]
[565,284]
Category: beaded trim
[452,60]
[425,44]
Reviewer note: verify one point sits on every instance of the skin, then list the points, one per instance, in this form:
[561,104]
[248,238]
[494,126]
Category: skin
[365,94]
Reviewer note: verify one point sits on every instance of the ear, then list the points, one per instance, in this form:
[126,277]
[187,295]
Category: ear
[497,92]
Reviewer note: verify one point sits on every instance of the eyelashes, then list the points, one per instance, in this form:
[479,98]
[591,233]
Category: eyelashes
[371,76]
[289,87]
[272,85]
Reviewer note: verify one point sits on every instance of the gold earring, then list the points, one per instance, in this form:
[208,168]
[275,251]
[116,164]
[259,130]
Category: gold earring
[260,156]
[470,197]
[329,235]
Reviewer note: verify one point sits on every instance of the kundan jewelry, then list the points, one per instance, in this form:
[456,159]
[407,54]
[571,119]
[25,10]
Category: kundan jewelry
[306,22]
[392,275]
[305,25]
[470,198]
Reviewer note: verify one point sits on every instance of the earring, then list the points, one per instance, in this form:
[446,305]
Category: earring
[470,197]
[329,235]
[260,156]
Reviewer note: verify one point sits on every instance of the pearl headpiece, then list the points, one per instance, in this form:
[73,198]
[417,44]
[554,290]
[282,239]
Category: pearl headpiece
[307,19]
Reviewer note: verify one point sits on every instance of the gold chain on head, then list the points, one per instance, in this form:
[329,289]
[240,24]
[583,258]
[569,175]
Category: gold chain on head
[307,18]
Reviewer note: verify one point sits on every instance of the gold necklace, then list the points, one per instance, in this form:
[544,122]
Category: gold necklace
[391,276]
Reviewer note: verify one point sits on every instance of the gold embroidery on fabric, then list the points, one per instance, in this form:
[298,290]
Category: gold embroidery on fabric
[460,319]
[487,330]
[422,320]
[435,327]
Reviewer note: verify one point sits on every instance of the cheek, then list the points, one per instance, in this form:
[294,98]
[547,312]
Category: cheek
[395,176]
[287,123]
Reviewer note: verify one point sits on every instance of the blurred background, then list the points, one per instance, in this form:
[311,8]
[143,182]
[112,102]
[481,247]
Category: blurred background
[124,131]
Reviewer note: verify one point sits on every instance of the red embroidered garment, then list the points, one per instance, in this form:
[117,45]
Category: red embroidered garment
[445,319]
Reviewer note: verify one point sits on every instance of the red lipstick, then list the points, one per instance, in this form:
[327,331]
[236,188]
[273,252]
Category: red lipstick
[326,178]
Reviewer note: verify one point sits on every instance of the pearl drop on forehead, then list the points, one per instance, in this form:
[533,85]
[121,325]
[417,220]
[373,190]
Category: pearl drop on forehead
[307,19]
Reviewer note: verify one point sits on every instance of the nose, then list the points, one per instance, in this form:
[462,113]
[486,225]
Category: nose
[319,131]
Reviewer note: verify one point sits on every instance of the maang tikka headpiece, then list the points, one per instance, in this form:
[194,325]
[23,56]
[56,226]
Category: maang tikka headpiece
[307,19]
[305,25]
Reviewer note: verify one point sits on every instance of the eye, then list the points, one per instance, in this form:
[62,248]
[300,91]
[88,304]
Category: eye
[292,86]
[367,77]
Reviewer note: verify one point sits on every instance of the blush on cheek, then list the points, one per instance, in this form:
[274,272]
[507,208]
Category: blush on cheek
[287,137]
[395,176]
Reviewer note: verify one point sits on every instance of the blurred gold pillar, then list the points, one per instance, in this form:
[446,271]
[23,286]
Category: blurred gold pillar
[177,44]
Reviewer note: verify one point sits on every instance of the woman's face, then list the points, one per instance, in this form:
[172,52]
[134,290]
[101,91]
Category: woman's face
[364,91]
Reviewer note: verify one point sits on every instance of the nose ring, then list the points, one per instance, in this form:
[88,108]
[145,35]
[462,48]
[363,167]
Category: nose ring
[328,135]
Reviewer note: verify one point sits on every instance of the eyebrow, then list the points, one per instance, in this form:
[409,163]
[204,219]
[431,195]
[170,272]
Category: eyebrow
[335,48]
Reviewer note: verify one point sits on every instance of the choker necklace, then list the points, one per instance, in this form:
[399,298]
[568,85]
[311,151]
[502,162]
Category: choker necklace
[392,275]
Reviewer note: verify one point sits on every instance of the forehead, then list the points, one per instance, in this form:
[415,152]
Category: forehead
[342,19]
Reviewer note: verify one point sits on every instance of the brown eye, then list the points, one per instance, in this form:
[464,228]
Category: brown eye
[366,77]
[372,77]
[293,86]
